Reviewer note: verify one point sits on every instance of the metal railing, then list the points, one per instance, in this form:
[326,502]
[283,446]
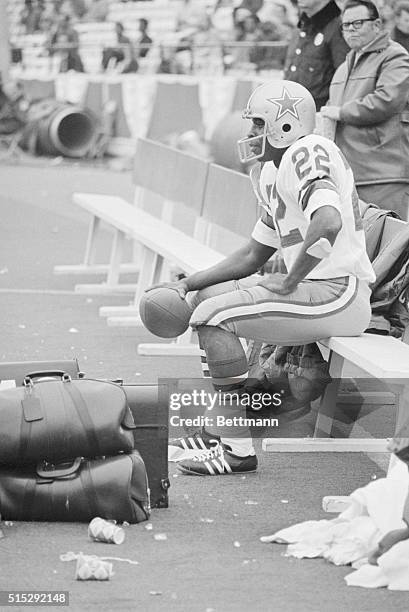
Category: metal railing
[203,57]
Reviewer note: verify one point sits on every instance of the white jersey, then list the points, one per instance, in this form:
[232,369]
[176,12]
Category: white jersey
[313,173]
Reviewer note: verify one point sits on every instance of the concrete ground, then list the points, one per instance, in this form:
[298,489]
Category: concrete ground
[212,558]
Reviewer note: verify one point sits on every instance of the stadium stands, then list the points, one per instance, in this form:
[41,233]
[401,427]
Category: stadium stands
[94,36]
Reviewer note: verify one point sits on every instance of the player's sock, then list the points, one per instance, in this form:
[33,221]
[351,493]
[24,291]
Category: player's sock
[224,361]
[241,447]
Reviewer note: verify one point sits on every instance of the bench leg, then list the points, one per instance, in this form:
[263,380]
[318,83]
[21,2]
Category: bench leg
[90,247]
[116,258]
[128,316]
[328,403]
[151,268]
[88,266]
[401,390]
[151,265]
[322,442]
[112,284]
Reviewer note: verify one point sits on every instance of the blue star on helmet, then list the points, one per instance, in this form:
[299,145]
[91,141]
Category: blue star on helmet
[286,104]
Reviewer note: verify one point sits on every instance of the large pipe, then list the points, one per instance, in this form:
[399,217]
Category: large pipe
[70,131]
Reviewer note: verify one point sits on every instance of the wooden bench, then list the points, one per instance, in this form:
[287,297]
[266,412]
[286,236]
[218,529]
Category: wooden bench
[382,357]
[161,241]
[188,224]
[214,228]
[165,180]
[369,355]
[217,230]
[227,217]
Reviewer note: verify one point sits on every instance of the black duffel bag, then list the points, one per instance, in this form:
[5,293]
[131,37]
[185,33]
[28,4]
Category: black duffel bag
[58,419]
[113,488]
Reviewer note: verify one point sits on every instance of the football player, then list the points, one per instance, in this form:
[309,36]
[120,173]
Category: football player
[310,208]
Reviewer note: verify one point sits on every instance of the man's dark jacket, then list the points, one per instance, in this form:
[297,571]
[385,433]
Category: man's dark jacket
[401,38]
[315,51]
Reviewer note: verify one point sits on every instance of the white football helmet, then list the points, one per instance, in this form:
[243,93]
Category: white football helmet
[288,111]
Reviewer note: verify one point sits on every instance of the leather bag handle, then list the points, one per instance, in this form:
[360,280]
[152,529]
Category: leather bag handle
[54,473]
[28,378]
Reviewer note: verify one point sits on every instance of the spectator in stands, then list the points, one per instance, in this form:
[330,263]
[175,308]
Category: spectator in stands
[386,13]
[282,18]
[267,58]
[222,19]
[205,47]
[281,12]
[31,15]
[247,31]
[76,9]
[253,6]
[124,56]
[400,32]
[190,16]
[98,11]
[79,8]
[144,38]
[169,63]
[369,102]
[50,17]
[64,41]
[111,56]
[316,48]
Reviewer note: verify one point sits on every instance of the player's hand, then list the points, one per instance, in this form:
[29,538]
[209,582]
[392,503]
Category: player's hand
[391,538]
[180,286]
[331,112]
[277,283]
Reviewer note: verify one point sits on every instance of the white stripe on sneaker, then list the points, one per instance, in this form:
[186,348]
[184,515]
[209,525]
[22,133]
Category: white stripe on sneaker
[218,466]
[209,468]
[226,465]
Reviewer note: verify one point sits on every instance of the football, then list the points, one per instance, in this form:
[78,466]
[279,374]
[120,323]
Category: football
[164,313]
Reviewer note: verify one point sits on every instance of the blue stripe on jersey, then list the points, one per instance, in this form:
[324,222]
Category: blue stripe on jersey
[359,224]
[294,236]
[312,186]
[267,219]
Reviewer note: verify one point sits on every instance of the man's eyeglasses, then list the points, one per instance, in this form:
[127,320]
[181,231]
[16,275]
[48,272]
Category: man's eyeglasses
[356,25]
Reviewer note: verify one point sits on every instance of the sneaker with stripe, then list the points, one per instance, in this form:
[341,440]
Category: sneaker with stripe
[217,461]
[189,446]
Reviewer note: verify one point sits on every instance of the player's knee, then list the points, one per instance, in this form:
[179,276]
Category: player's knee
[195,298]
[204,312]
[224,352]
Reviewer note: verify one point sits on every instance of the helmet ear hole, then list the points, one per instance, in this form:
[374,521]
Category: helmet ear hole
[286,127]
